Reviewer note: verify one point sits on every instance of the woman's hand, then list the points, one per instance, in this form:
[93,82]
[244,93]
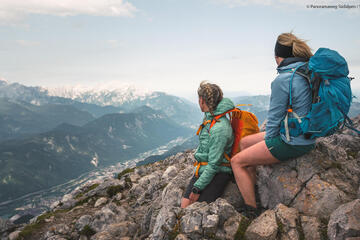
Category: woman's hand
[194,197]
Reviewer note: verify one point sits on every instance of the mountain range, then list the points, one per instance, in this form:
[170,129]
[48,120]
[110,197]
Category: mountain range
[53,157]
[21,119]
[104,101]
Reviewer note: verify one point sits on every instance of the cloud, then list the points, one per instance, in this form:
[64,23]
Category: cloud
[300,3]
[16,10]
[26,43]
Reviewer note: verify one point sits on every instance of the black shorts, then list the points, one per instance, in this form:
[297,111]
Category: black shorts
[213,190]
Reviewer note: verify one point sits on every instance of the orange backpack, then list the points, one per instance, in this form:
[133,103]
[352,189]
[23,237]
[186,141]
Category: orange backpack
[243,123]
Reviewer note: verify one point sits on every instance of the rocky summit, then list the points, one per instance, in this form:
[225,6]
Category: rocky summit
[316,196]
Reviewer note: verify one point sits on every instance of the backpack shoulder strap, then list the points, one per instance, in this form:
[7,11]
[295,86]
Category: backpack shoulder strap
[217,117]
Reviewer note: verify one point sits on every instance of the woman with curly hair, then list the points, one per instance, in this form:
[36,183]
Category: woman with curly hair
[212,171]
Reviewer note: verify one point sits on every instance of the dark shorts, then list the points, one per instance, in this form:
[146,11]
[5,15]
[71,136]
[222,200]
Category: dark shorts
[212,191]
[283,151]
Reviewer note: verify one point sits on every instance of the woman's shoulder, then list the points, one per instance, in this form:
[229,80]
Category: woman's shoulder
[222,126]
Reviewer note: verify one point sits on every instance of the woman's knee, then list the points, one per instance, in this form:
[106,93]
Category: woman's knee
[238,161]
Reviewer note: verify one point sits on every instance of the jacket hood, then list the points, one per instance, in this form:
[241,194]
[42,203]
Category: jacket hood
[224,105]
[290,63]
[291,60]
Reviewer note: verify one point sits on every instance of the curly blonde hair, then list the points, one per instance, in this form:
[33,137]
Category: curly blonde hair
[211,94]
[299,46]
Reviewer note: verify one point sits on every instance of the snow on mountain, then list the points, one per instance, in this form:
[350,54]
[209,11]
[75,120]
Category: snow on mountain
[103,94]
[3,81]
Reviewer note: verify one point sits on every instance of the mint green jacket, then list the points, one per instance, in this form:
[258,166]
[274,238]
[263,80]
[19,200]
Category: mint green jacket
[213,144]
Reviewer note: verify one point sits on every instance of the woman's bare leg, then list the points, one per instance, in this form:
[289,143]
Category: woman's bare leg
[257,154]
[247,142]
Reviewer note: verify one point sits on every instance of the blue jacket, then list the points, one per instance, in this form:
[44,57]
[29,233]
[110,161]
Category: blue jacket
[279,100]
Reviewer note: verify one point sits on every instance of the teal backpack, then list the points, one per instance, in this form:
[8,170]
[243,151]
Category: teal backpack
[327,73]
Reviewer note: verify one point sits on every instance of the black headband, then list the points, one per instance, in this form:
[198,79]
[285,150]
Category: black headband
[283,51]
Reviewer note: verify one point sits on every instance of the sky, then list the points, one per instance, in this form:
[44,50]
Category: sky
[166,45]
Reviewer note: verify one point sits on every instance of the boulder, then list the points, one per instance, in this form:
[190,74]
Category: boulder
[288,222]
[263,228]
[5,225]
[319,198]
[345,221]
[100,201]
[82,222]
[233,196]
[169,173]
[311,227]
[231,226]
[109,214]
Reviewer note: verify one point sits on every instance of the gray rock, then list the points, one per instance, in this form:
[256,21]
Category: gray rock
[122,229]
[316,183]
[311,227]
[146,221]
[280,179]
[220,234]
[100,201]
[172,193]
[14,235]
[49,234]
[169,173]
[319,198]
[287,216]
[233,196]
[136,190]
[171,196]
[83,237]
[101,190]
[345,221]
[60,229]
[67,201]
[165,222]
[141,171]
[151,193]
[55,204]
[181,237]
[56,237]
[82,222]
[134,178]
[102,218]
[190,224]
[151,179]
[231,226]
[5,225]
[210,224]
[102,236]
[289,220]
[118,196]
[223,209]
[263,227]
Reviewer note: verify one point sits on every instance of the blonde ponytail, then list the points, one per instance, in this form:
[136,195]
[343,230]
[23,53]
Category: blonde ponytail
[299,46]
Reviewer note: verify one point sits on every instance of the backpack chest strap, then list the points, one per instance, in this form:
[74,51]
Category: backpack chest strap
[199,164]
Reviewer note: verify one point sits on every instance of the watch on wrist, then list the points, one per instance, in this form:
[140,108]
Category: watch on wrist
[195,190]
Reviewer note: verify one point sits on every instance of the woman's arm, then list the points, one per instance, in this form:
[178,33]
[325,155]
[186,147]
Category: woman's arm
[279,101]
[219,139]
